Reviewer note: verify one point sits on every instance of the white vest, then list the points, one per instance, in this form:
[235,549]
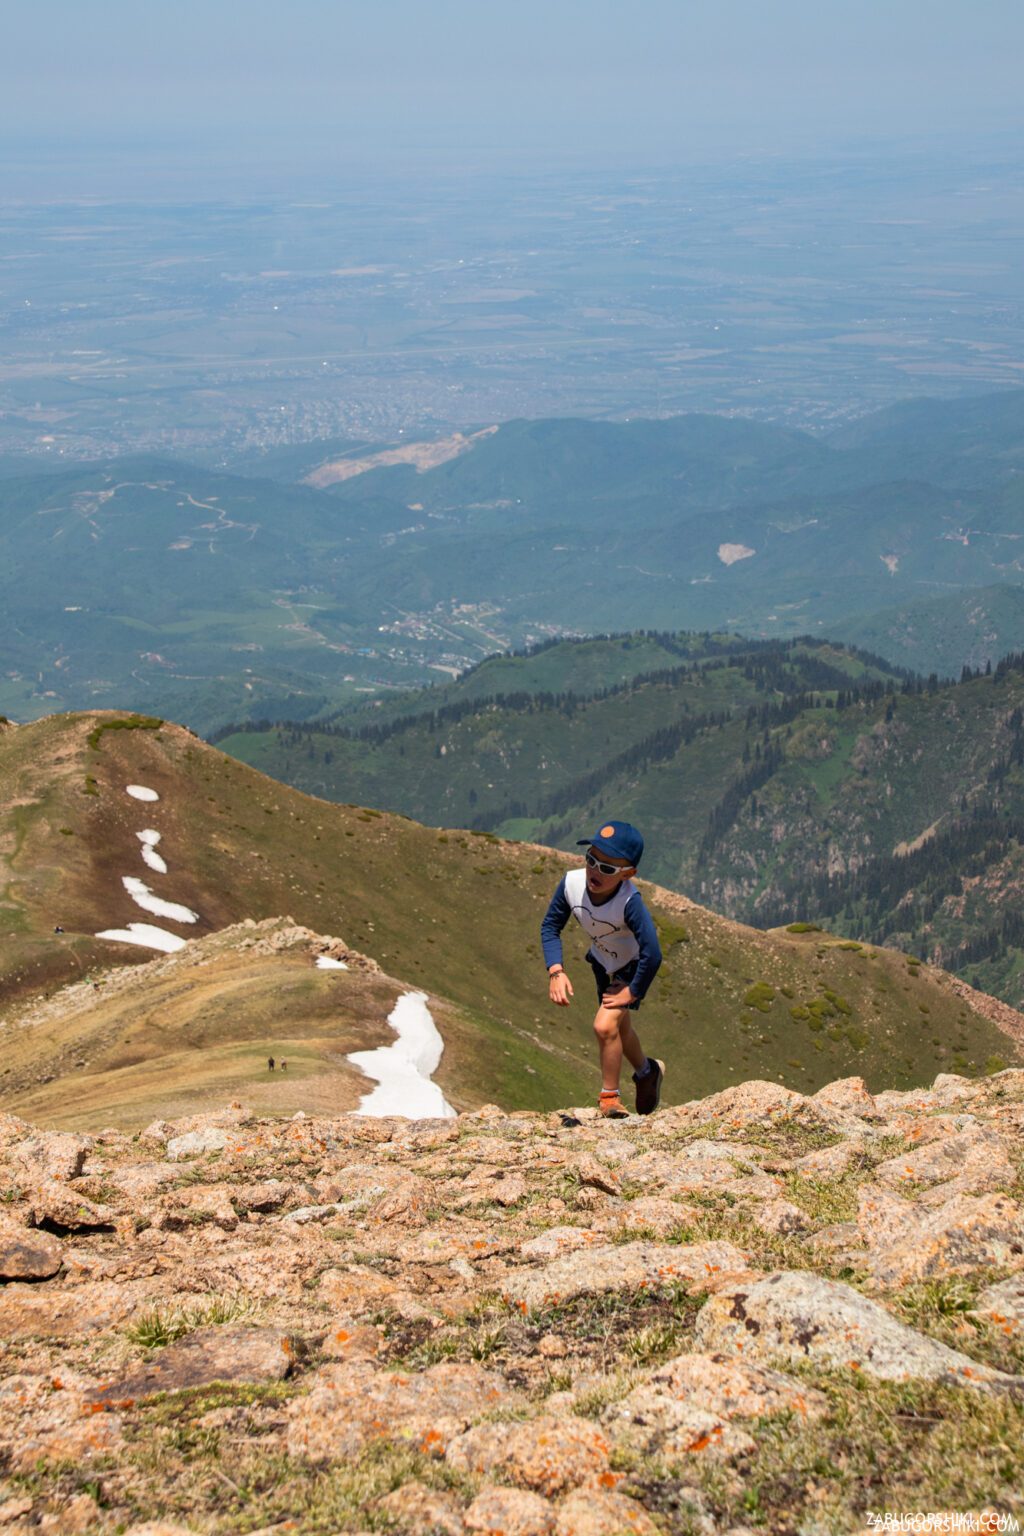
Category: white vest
[612,942]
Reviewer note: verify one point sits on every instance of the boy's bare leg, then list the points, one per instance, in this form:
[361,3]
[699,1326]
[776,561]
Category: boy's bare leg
[616,1038]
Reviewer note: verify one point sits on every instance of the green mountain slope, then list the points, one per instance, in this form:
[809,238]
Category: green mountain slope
[524,738]
[452,913]
[774,783]
[943,634]
[955,443]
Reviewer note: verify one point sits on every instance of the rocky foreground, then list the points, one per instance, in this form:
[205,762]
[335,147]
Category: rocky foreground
[756,1311]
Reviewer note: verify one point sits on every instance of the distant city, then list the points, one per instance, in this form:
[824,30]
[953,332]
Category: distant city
[802,293]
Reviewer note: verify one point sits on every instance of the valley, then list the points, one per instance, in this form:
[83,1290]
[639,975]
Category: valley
[215,596]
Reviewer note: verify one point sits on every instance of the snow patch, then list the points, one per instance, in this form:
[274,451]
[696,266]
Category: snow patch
[150,857]
[140,792]
[403,1070]
[891,563]
[143,897]
[730,553]
[328,963]
[146,935]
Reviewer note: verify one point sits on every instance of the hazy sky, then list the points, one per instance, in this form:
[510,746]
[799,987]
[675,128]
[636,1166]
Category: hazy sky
[569,76]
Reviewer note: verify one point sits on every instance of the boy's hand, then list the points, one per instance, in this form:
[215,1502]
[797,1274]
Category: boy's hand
[620,999]
[560,989]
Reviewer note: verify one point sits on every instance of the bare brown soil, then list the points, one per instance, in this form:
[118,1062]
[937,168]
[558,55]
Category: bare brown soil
[422,456]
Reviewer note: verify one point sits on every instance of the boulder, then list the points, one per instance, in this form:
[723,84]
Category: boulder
[184,1209]
[558,1240]
[652,1212]
[595,1512]
[213,1138]
[848,1095]
[352,1405]
[548,1455]
[440,1245]
[696,1167]
[781,1218]
[53,1154]
[794,1316]
[752,1103]
[51,1202]
[45,1417]
[30,1311]
[509,1512]
[686,1406]
[976,1158]
[967,1234]
[208,1354]
[27,1255]
[626,1267]
[415,1507]
[1003,1305]
[356,1289]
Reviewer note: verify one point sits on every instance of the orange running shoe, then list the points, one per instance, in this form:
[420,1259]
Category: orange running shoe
[611,1106]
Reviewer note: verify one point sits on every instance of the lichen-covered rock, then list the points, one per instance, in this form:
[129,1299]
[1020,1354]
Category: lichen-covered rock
[1003,1305]
[558,1240]
[353,1404]
[53,1154]
[630,1266]
[415,1507]
[695,1168]
[781,1218]
[211,1139]
[58,1204]
[185,1209]
[965,1235]
[80,1516]
[347,1339]
[594,1512]
[32,1311]
[975,1158]
[208,1354]
[751,1103]
[829,1162]
[45,1417]
[160,1528]
[654,1213]
[849,1095]
[500,1511]
[355,1289]
[795,1316]
[27,1255]
[549,1455]
[687,1405]
[439,1246]
[427,1248]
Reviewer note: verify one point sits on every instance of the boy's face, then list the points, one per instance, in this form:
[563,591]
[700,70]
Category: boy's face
[599,883]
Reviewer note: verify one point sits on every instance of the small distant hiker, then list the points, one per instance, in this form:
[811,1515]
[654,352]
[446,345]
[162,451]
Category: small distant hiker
[284,1066]
[270,1063]
[624,956]
[58,929]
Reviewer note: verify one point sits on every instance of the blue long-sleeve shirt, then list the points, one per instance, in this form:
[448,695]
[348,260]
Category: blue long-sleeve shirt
[620,929]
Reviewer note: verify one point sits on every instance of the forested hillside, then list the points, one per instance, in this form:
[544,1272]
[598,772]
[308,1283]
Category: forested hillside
[775,782]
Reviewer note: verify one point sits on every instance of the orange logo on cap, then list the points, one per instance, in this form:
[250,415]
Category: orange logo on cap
[607,832]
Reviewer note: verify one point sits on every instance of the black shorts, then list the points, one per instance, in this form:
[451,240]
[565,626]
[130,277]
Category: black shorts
[620,978]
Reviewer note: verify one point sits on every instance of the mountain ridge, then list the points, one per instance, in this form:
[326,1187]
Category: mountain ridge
[450,914]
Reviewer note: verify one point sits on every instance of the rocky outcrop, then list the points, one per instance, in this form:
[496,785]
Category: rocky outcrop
[517,1323]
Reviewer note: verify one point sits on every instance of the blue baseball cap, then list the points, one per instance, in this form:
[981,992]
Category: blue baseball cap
[619,839]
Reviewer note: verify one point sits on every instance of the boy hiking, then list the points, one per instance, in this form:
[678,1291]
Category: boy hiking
[624,956]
